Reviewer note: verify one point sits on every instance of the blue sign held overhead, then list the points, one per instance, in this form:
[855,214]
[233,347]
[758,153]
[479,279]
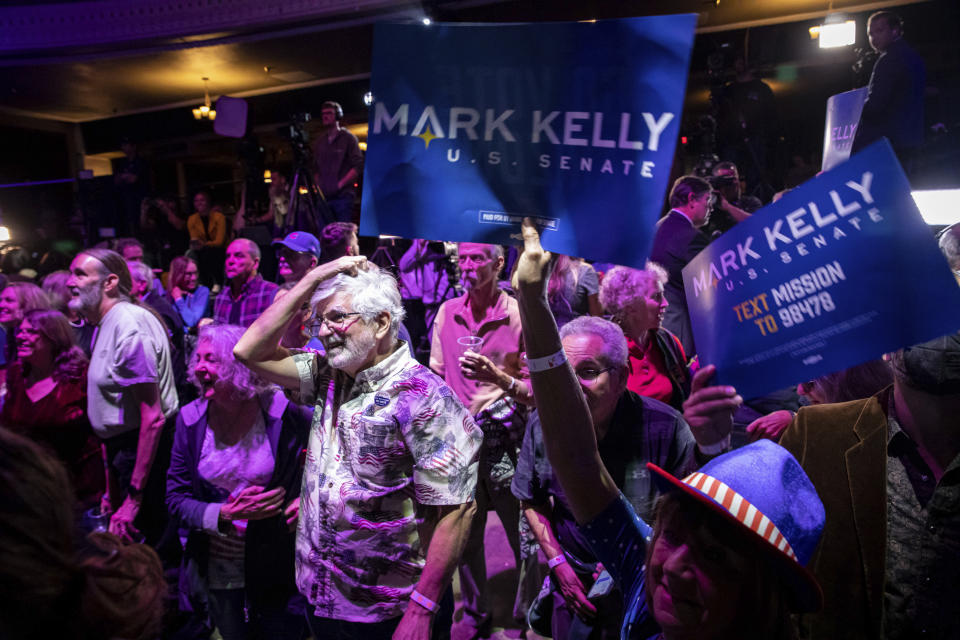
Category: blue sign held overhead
[476,126]
[838,272]
[843,118]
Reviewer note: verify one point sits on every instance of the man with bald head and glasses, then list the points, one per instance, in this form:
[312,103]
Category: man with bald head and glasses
[391,465]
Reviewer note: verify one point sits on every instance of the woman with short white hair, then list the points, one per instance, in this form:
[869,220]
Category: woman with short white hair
[658,365]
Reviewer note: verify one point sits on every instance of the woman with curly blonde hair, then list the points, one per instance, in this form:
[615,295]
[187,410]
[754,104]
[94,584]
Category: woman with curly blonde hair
[233,481]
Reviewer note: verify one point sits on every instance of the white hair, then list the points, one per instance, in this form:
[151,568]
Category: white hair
[614,352]
[140,272]
[372,291]
[222,338]
[621,286]
[493,251]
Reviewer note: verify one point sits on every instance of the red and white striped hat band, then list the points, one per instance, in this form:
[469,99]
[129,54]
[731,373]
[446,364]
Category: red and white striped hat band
[741,509]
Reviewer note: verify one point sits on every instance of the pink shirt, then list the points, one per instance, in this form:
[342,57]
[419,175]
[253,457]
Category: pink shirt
[502,343]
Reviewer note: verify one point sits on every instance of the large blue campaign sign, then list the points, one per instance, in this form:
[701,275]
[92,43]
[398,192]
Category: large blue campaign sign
[843,117]
[574,124]
[838,272]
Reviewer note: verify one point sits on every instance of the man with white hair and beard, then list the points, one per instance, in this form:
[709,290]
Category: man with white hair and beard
[391,465]
[131,398]
[888,470]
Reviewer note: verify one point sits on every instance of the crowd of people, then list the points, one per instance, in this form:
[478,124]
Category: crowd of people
[195,447]
[280,450]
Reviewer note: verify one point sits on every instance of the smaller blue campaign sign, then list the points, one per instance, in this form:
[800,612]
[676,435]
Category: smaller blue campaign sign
[474,127]
[843,117]
[838,272]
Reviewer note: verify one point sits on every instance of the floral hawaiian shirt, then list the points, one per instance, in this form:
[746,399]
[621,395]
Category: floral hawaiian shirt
[391,439]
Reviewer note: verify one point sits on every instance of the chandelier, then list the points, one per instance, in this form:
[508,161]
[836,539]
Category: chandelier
[204,110]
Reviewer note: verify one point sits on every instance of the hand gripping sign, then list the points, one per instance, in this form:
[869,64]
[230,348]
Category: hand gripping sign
[836,273]
[474,127]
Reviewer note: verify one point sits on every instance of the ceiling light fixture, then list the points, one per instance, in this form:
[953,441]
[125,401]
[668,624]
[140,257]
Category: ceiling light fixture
[937,206]
[204,110]
[835,32]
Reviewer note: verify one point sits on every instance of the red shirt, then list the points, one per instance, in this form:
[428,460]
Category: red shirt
[648,375]
[58,422]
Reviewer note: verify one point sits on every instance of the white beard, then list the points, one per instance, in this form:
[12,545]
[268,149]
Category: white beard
[351,352]
[88,299]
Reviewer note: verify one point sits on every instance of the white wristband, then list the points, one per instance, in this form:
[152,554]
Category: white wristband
[716,448]
[424,601]
[546,363]
[554,561]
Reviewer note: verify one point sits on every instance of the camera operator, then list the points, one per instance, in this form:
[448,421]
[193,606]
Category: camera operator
[725,180]
[337,161]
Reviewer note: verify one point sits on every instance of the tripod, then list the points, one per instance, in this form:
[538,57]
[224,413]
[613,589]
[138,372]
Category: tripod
[308,208]
[383,258]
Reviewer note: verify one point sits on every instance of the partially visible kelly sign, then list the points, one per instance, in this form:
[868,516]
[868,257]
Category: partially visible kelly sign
[838,272]
[843,117]
[574,124]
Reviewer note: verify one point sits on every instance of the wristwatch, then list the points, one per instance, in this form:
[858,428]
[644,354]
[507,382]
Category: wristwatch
[135,493]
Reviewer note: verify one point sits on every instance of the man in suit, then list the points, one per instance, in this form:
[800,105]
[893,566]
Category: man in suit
[888,471]
[894,105]
[677,241]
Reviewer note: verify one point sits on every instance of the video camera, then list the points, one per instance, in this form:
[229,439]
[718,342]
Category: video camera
[720,183]
[446,254]
[728,188]
[295,131]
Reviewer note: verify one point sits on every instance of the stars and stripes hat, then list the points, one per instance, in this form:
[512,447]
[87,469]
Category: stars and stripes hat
[762,488]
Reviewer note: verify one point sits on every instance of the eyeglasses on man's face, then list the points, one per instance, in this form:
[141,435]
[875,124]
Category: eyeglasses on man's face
[335,321]
[589,374]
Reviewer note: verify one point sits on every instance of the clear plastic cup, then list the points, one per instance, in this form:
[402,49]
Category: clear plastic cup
[469,343]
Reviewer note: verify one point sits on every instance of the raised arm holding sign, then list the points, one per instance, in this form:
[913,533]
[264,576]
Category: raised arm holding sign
[573,124]
[837,272]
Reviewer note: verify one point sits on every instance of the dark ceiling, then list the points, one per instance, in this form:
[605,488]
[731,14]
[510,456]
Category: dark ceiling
[94,71]
[145,88]
[125,73]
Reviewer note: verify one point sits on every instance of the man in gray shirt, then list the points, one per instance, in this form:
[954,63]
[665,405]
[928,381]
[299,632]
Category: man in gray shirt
[130,392]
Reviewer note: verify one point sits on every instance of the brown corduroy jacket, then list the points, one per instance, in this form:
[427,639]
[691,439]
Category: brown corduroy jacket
[843,449]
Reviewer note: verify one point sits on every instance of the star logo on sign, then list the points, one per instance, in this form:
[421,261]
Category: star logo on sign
[427,136]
